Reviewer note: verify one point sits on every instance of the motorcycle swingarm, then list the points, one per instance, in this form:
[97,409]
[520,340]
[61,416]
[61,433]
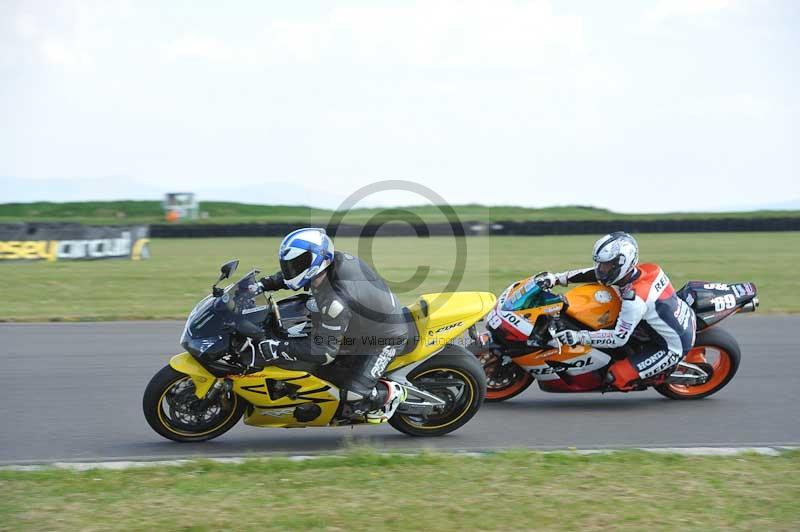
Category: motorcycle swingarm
[690,374]
[419,402]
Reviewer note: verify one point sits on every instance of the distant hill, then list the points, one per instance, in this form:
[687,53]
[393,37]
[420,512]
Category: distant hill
[120,212]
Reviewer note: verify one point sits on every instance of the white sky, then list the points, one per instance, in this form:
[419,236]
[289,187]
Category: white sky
[629,105]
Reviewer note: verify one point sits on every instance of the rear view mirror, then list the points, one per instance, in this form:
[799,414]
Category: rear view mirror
[228,268]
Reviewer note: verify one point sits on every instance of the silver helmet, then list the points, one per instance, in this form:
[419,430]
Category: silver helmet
[615,257]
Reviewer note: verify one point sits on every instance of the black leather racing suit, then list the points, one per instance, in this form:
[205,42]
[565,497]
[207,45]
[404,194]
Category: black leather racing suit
[358,327]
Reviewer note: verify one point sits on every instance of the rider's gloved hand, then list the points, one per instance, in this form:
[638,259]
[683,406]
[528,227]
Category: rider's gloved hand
[546,280]
[273,282]
[275,351]
[573,337]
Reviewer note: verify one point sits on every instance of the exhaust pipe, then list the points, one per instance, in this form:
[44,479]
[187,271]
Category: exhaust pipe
[750,306]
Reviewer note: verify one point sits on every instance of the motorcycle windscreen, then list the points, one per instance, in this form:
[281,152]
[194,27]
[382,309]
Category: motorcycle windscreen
[527,294]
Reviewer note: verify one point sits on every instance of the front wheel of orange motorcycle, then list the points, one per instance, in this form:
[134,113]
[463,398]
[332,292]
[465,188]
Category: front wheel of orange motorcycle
[503,381]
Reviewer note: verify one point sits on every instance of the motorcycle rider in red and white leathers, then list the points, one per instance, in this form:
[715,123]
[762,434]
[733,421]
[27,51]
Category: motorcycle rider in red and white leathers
[651,312]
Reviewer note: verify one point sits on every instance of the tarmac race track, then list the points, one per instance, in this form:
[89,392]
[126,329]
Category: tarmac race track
[72,392]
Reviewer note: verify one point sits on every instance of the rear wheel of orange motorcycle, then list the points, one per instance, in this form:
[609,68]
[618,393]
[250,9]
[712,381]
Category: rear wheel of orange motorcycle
[502,381]
[453,376]
[718,353]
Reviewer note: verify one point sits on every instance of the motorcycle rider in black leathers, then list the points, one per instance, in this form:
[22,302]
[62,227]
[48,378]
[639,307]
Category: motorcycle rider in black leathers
[358,325]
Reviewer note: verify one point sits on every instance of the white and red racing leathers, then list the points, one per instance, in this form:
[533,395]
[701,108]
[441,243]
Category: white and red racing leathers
[649,304]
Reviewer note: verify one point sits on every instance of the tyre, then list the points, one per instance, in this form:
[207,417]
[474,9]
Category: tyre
[502,381]
[718,353]
[172,409]
[454,376]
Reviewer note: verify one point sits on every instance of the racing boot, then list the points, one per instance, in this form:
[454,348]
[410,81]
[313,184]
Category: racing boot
[622,376]
[396,394]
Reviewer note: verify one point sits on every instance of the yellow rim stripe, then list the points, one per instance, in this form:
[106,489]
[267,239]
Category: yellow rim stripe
[166,425]
[469,403]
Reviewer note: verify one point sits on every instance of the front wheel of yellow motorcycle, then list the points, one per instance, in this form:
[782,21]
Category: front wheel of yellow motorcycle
[173,410]
[457,379]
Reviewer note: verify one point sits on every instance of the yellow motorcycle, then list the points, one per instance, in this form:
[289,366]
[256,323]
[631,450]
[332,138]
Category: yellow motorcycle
[203,392]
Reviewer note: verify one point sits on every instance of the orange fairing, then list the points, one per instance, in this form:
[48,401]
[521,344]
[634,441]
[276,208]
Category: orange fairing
[538,358]
[594,305]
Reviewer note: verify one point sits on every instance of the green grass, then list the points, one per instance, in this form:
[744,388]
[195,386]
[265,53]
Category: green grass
[119,212]
[181,271]
[368,491]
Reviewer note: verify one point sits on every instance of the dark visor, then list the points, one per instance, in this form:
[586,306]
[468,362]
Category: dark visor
[291,268]
[607,271]
[606,267]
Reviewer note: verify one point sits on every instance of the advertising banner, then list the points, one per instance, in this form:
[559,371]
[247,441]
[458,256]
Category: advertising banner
[55,242]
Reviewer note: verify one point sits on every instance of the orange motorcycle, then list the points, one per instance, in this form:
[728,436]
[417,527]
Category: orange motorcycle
[519,346]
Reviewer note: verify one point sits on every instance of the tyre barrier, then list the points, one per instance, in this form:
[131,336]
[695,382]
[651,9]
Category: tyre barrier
[503,228]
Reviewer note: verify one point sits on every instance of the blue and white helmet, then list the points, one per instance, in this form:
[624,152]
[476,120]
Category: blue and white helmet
[304,254]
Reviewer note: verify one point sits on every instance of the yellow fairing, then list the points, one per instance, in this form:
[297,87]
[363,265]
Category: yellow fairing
[449,314]
[186,363]
[271,410]
[255,388]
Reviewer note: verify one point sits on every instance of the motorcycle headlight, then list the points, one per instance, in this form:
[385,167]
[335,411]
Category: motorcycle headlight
[210,346]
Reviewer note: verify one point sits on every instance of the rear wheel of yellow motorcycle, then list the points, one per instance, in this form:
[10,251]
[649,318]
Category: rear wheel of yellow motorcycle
[174,411]
[457,378]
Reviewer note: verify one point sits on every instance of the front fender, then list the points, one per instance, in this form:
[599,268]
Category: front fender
[187,364]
